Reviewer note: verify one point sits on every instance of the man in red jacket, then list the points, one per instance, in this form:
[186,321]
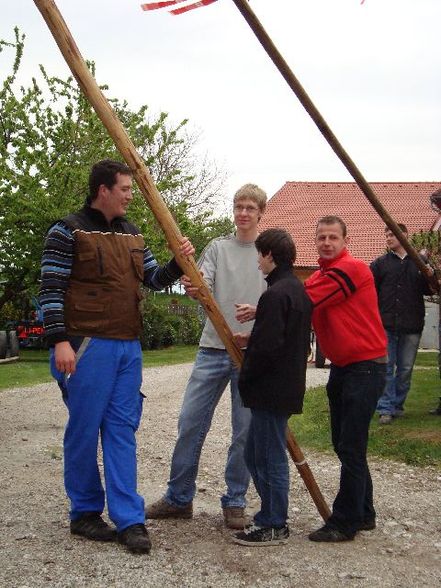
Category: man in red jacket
[348,326]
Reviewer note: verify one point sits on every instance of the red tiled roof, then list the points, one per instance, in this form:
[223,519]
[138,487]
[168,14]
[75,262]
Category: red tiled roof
[297,206]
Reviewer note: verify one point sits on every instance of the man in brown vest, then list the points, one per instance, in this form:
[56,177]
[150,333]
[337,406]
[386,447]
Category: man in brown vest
[93,265]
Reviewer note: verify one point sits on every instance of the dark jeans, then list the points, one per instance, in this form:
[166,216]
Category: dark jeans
[266,459]
[353,392]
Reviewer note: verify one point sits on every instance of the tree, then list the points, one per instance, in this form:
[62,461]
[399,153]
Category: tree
[429,244]
[49,138]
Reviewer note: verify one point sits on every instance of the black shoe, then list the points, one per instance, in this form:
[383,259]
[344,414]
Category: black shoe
[91,526]
[368,525]
[136,539]
[329,535]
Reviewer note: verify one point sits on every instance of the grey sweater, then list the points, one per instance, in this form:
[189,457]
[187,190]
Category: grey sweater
[230,270]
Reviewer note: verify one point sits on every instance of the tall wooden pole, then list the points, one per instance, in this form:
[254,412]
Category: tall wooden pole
[91,90]
[267,43]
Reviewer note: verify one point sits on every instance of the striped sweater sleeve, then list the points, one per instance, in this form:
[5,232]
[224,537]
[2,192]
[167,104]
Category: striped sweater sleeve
[56,266]
[157,277]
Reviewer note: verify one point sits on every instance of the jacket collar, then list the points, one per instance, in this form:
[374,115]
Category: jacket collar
[279,272]
[98,217]
[326,263]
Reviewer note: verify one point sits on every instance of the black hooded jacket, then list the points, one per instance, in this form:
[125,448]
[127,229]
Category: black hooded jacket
[274,369]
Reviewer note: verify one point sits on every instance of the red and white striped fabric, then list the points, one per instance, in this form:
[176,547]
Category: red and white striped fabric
[192,6]
[156,5]
[176,11]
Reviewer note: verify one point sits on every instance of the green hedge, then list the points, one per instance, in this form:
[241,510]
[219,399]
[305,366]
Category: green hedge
[162,328]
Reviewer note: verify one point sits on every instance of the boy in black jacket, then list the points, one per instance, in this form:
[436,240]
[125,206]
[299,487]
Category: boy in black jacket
[272,383]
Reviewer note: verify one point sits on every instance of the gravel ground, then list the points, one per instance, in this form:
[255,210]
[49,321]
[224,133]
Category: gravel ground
[36,548]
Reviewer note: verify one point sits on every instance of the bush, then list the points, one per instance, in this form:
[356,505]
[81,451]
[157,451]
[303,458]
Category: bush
[162,328]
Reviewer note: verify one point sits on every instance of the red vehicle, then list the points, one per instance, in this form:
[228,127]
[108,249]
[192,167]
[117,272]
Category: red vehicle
[30,333]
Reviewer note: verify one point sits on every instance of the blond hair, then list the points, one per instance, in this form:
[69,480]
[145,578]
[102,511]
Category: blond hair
[254,193]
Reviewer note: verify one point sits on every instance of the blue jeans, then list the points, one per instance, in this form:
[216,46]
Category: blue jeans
[104,401]
[353,392]
[212,371]
[402,349]
[265,456]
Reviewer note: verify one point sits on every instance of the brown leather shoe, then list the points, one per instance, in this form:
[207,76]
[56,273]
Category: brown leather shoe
[234,517]
[161,509]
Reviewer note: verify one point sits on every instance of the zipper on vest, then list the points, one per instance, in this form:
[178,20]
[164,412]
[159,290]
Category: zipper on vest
[100,261]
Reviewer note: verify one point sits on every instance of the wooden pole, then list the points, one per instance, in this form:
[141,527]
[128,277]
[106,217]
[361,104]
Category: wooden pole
[110,120]
[91,90]
[299,91]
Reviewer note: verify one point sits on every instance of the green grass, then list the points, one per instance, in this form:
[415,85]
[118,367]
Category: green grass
[414,439]
[163,299]
[32,368]
[170,355]
[427,358]
[33,365]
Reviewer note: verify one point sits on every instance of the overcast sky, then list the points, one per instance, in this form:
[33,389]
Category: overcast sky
[372,69]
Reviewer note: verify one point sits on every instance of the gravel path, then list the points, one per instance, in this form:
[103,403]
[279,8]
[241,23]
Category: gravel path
[36,548]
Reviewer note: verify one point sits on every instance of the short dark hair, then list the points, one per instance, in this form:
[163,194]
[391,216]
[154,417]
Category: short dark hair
[403,228]
[104,172]
[279,243]
[332,220]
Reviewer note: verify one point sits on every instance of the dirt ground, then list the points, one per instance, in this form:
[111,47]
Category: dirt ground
[36,548]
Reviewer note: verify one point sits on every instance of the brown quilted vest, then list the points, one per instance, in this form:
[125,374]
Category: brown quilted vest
[103,296]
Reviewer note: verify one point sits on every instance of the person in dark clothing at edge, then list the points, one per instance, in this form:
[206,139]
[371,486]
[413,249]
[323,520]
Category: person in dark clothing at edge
[272,383]
[348,326]
[93,264]
[401,288]
[435,201]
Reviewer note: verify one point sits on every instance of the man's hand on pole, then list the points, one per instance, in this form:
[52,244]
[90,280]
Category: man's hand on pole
[189,289]
[186,248]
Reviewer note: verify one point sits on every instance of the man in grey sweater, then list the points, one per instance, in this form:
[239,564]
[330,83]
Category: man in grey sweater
[229,266]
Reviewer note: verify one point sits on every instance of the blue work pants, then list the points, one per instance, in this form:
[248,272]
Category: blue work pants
[104,400]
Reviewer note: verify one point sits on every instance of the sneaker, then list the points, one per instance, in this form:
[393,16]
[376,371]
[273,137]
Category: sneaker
[234,517]
[436,410]
[256,536]
[136,539]
[368,525]
[91,526]
[329,535]
[385,419]
[161,509]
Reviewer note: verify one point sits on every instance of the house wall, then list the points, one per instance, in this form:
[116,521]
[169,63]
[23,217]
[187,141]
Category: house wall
[429,337]
[303,273]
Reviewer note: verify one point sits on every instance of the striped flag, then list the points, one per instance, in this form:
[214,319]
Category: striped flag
[176,11]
